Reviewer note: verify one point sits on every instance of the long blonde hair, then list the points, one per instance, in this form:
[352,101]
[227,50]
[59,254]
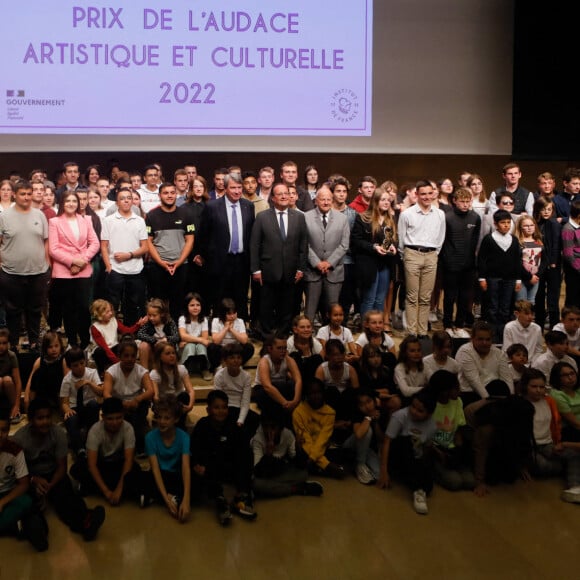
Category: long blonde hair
[537,235]
[373,214]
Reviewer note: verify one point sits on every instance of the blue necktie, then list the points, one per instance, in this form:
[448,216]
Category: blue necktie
[282,228]
[235,246]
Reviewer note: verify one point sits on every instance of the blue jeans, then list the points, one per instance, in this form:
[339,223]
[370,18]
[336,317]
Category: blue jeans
[373,297]
[527,292]
[365,455]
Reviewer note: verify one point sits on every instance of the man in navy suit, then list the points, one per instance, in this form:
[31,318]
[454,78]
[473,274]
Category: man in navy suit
[279,248]
[224,246]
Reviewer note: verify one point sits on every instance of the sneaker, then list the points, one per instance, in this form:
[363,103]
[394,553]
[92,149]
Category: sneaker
[16,419]
[420,502]
[476,311]
[451,332]
[19,530]
[313,488]
[462,333]
[404,318]
[145,500]
[224,514]
[571,495]
[173,499]
[93,522]
[206,375]
[242,506]
[433,316]
[35,530]
[334,470]
[364,474]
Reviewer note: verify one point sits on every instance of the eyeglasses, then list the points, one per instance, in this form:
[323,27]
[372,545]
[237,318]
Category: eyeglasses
[506,202]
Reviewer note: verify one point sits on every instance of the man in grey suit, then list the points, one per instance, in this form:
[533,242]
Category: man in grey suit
[328,242]
[278,250]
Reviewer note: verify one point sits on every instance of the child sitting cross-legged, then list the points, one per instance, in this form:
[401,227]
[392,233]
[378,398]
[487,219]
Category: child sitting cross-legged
[110,469]
[220,453]
[275,463]
[167,448]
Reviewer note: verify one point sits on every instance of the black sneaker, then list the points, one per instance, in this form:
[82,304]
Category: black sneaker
[224,514]
[334,470]
[242,506]
[35,530]
[313,488]
[145,500]
[93,522]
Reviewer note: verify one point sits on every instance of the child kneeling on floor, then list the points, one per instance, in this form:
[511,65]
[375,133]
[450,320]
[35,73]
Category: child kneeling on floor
[275,469]
[406,448]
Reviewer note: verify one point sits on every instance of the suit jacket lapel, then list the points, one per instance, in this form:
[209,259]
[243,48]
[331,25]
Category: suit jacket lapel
[69,235]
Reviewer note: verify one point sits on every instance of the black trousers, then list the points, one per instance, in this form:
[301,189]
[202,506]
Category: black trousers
[24,295]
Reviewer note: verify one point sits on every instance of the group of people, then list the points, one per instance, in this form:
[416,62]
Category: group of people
[154,268]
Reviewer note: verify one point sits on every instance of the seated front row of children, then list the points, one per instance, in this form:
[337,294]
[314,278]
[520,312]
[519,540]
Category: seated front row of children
[426,441]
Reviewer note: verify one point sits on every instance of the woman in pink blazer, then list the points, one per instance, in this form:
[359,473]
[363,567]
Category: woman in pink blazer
[72,243]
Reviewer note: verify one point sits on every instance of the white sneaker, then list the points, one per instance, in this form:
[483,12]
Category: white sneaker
[433,316]
[364,474]
[461,333]
[420,502]
[476,311]
[404,317]
[571,495]
[451,332]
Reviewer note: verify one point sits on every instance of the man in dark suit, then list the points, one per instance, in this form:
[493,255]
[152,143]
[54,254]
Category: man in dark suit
[328,241]
[279,247]
[224,246]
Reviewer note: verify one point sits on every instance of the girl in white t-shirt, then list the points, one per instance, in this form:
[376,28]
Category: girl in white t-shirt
[194,334]
[410,375]
[227,328]
[335,329]
[170,378]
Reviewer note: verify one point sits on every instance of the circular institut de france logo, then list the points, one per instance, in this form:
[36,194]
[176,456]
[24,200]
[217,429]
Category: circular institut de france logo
[344,105]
